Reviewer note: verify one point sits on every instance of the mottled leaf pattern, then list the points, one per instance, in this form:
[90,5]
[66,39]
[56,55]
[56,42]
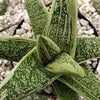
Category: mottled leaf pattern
[14,48]
[38,15]
[30,75]
[64,92]
[64,64]
[47,49]
[88,86]
[27,77]
[87,48]
[61,26]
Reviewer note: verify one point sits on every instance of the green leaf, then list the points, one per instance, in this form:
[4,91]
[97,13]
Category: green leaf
[27,77]
[47,49]
[38,15]
[60,63]
[14,48]
[64,92]
[87,86]
[87,48]
[61,25]
[64,64]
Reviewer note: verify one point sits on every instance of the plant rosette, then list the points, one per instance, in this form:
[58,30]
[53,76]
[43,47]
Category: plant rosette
[56,56]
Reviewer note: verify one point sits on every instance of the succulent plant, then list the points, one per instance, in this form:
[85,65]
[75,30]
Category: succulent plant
[56,56]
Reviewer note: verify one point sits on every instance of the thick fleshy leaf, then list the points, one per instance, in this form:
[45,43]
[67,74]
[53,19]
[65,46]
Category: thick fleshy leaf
[38,15]
[64,92]
[87,86]
[47,49]
[14,48]
[27,77]
[59,63]
[87,48]
[64,64]
[61,25]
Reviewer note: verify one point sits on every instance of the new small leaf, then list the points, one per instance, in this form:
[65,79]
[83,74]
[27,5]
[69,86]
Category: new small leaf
[64,64]
[47,49]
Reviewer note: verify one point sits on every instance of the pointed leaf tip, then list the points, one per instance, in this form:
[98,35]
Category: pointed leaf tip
[62,25]
[64,64]
[28,76]
[87,86]
[47,49]
[59,63]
